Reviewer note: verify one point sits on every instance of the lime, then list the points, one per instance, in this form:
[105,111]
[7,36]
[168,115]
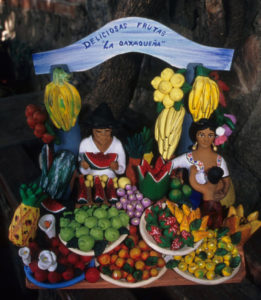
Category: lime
[175,183]
[175,195]
[187,190]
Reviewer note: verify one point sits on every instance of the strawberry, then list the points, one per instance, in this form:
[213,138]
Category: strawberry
[54,277]
[62,260]
[31,122]
[92,275]
[47,138]
[34,266]
[86,259]
[41,275]
[72,258]
[40,116]
[68,274]
[55,242]
[80,265]
[30,109]
[63,250]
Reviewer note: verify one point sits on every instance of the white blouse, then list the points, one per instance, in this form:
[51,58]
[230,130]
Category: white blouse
[88,145]
[186,161]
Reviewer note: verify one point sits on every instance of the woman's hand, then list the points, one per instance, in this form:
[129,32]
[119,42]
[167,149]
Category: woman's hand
[84,164]
[114,165]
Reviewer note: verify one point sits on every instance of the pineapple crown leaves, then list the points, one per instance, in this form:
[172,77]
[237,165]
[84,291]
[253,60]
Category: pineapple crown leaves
[32,194]
[60,76]
[139,143]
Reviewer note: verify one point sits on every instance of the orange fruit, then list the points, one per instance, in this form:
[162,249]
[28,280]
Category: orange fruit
[120,262]
[161,262]
[144,255]
[140,265]
[145,274]
[154,272]
[143,246]
[135,253]
[123,253]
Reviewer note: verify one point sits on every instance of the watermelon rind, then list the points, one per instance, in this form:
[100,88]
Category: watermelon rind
[100,161]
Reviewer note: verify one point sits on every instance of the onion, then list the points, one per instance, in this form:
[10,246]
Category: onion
[118,205]
[120,192]
[135,221]
[134,188]
[128,187]
[138,213]
[139,196]
[130,213]
[146,202]
[132,197]
[139,207]
[124,200]
[129,192]
[130,207]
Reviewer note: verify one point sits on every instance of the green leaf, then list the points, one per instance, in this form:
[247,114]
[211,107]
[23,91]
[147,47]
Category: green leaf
[221,252]
[181,71]
[178,104]
[195,225]
[236,238]
[202,71]
[106,270]
[99,247]
[137,275]
[129,243]
[203,255]
[235,261]
[219,267]
[160,107]
[186,87]
[73,243]
[123,230]
[151,261]
[128,268]
[189,241]
[222,231]
[171,264]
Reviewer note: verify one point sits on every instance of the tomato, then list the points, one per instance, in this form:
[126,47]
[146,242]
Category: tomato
[47,138]
[31,122]
[40,116]
[40,128]
[30,109]
[130,278]
[104,259]
[38,134]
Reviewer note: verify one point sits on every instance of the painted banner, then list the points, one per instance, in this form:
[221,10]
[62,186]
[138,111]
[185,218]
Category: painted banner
[133,34]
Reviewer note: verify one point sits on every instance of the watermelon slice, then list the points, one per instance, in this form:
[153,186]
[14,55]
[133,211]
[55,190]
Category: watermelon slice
[100,161]
[52,205]
[111,192]
[154,182]
[99,194]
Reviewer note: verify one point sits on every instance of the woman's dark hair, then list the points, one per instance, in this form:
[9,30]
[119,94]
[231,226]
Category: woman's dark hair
[214,174]
[201,125]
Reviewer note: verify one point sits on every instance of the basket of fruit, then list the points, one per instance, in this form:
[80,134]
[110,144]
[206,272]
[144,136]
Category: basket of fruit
[172,230]
[93,230]
[216,260]
[51,265]
[131,264]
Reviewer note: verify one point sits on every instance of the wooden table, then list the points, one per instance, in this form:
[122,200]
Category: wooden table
[170,278]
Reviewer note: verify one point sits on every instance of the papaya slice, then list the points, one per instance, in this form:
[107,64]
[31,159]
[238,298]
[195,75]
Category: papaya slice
[240,211]
[186,209]
[253,216]
[255,225]
[245,233]
[232,223]
[231,211]
[204,223]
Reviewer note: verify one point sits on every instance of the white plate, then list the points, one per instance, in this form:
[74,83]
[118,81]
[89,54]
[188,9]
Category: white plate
[153,244]
[219,280]
[124,283]
[91,253]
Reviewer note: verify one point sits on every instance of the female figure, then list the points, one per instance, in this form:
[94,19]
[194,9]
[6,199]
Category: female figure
[203,155]
[102,142]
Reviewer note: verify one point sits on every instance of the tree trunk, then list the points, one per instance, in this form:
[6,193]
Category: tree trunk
[118,76]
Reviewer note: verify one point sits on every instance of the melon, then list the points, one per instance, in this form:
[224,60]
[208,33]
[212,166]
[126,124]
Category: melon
[100,161]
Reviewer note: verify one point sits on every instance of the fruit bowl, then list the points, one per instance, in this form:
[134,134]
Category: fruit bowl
[58,285]
[215,281]
[153,244]
[108,248]
[123,283]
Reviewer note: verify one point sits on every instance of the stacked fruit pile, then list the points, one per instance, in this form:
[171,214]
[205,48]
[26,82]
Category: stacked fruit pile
[132,261]
[216,257]
[179,193]
[37,119]
[69,265]
[92,228]
[174,228]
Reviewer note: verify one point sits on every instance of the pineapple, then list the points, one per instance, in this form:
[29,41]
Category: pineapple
[24,224]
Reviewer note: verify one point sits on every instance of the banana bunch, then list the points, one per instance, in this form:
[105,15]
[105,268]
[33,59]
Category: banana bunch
[203,98]
[62,101]
[168,87]
[168,128]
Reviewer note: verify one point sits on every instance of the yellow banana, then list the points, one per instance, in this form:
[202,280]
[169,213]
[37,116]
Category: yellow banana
[160,145]
[206,96]
[162,122]
[214,95]
[168,125]
[198,89]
